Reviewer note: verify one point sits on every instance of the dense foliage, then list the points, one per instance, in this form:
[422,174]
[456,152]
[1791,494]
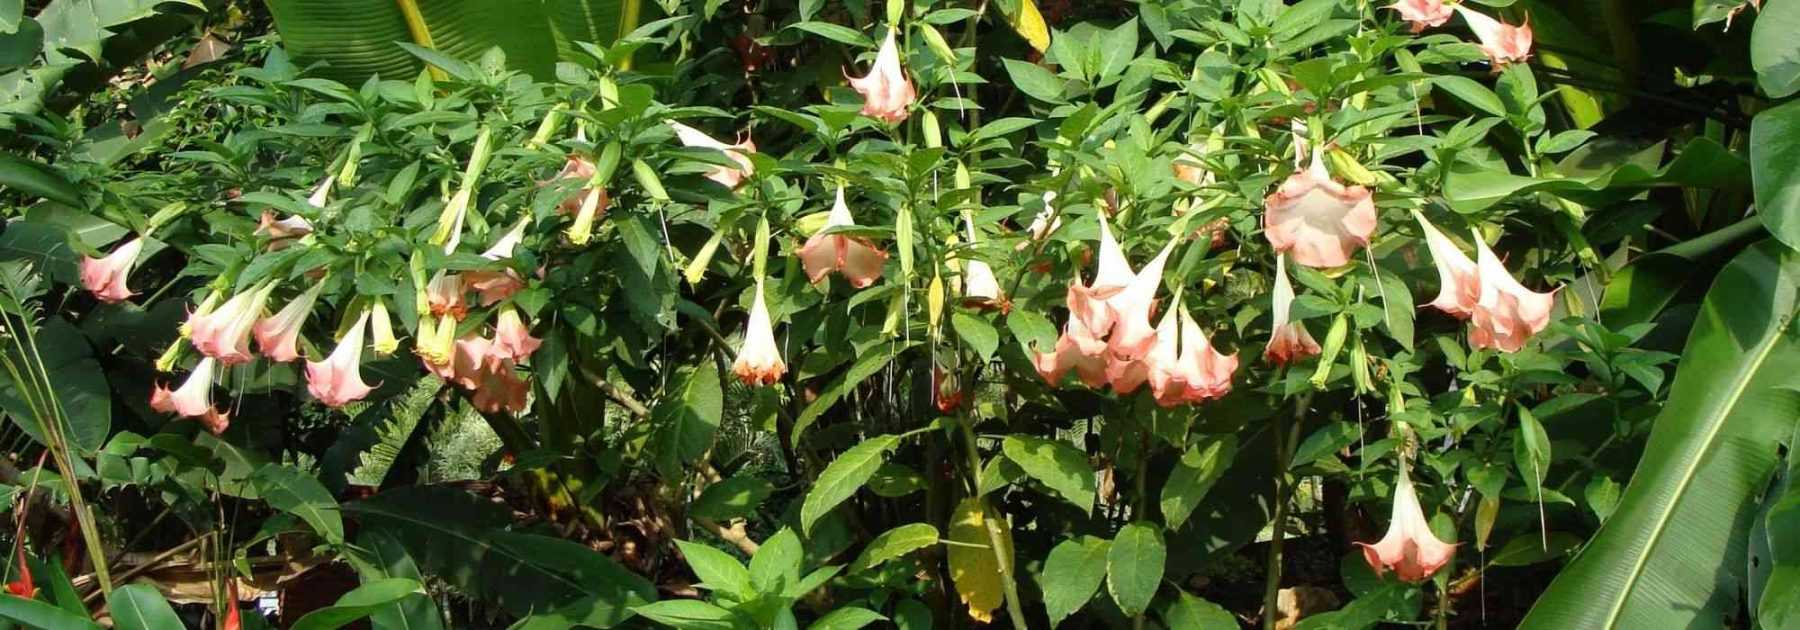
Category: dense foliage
[928,313]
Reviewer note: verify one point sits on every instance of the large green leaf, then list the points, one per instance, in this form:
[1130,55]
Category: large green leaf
[141,607]
[359,604]
[79,386]
[1671,554]
[1774,52]
[1599,171]
[358,39]
[1641,290]
[38,614]
[844,476]
[687,418]
[1775,168]
[1134,566]
[36,179]
[1072,574]
[297,493]
[1056,464]
[461,538]
[377,555]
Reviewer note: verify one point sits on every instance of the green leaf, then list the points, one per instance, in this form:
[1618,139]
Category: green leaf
[368,45]
[141,607]
[358,604]
[1531,451]
[895,543]
[1194,474]
[1193,613]
[1640,291]
[977,332]
[1057,464]
[1072,574]
[1775,169]
[687,418]
[1710,453]
[297,493]
[865,366]
[1469,91]
[37,614]
[717,570]
[35,179]
[1326,440]
[1134,567]
[1774,53]
[378,555]
[1531,548]
[1035,81]
[80,387]
[776,565]
[688,614]
[737,497]
[836,33]
[844,476]
[847,618]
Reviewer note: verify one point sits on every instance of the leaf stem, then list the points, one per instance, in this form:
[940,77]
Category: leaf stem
[1283,453]
[996,537]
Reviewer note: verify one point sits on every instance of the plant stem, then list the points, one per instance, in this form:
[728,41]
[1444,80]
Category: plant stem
[1283,448]
[996,537]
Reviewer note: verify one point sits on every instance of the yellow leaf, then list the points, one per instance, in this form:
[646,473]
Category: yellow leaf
[973,565]
[1029,23]
[934,301]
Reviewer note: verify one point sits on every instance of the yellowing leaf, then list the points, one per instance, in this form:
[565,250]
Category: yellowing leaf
[1029,23]
[973,565]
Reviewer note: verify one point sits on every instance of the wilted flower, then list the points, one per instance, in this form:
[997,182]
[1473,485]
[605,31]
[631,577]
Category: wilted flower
[759,360]
[1503,43]
[740,153]
[1409,549]
[1507,314]
[193,399]
[1317,220]
[105,277]
[1422,14]
[337,380]
[224,334]
[1459,286]
[1288,341]
[276,336]
[854,256]
[886,91]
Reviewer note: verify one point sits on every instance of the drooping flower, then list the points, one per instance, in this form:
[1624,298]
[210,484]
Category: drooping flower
[444,294]
[1317,220]
[1289,341]
[337,380]
[276,336]
[1199,373]
[193,399]
[464,362]
[1132,308]
[215,421]
[1041,224]
[224,333]
[321,193]
[1507,314]
[493,286]
[512,338]
[1422,14]
[1077,349]
[382,328]
[105,277]
[726,176]
[579,168]
[282,232]
[1089,302]
[980,287]
[1409,549]
[593,205]
[1128,376]
[887,93]
[1503,43]
[500,389]
[854,256]
[759,359]
[22,587]
[1459,285]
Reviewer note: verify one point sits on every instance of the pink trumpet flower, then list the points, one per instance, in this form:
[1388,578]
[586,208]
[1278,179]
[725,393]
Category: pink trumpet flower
[337,380]
[281,231]
[1507,314]
[1078,349]
[105,277]
[579,167]
[1459,284]
[887,93]
[854,256]
[224,333]
[1409,549]
[759,359]
[277,336]
[1503,43]
[1132,308]
[1089,302]
[1317,220]
[512,338]
[444,294]
[500,390]
[1423,14]
[1128,376]
[726,176]
[193,399]
[1199,373]
[1289,341]
[493,286]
